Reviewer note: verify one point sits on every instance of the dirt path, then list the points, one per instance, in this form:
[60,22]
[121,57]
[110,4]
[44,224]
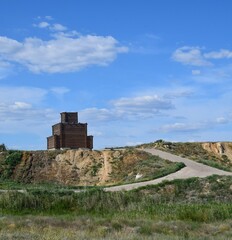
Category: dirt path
[107,168]
[192,169]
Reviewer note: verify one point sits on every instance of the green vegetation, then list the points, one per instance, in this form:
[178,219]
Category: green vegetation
[181,209]
[102,204]
[192,151]
[125,167]
[46,186]
[95,168]
[24,166]
[2,148]
[8,162]
[216,164]
[162,200]
[97,228]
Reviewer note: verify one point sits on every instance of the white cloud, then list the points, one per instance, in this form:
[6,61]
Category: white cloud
[179,93]
[21,111]
[194,126]
[20,105]
[8,47]
[48,17]
[180,127]
[5,69]
[63,54]
[24,112]
[129,108]
[190,56]
[98,114]
[142,104]
[42,25]
[222,120]
[215,75]
[223,53]
[194,56]
[10,95]
[58,27]
[66,34]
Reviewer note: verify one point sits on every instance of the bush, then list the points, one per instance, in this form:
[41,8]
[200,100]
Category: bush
[2,148]
[12,158]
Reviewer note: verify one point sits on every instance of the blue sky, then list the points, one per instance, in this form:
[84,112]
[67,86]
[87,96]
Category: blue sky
[135,70]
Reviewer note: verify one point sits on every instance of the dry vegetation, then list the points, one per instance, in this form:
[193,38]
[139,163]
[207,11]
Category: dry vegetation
[83,167]
[196,152]
[181,209]
[83,228]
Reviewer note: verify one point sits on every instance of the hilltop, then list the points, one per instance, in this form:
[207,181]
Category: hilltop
[84,167]
[110,166]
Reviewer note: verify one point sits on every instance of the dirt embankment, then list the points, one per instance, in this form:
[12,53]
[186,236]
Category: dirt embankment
[82,167]
[85,167]
[219,148]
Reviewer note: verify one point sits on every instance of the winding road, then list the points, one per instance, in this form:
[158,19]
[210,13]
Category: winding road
[192,169]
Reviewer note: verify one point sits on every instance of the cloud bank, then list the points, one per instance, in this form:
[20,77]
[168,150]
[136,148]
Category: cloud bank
[66,51]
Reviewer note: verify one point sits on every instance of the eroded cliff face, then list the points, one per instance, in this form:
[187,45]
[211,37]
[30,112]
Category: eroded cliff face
[74,167]
[219,149]
[85,167]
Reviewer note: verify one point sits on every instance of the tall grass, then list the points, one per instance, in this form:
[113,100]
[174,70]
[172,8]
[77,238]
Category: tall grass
[100,203]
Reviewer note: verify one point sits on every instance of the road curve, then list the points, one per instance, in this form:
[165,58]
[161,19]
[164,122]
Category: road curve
[192,169]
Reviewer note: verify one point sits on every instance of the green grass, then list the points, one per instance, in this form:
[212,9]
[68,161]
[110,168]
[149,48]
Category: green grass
[215,164]
[125,167]
[101,204]
[9,160]
[182,209]
[88,227]
[192,199]
[43,186]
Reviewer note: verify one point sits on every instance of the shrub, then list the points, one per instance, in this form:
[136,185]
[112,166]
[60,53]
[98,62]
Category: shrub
[13,159]
[2,148]
[9,163]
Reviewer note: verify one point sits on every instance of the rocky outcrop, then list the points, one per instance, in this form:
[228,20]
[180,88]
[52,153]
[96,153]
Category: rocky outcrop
[220,149]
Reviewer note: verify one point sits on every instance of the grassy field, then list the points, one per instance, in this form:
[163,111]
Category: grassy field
[181,209]
[99,228]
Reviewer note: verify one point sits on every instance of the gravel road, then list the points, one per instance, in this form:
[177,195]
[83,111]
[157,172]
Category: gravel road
[192,169]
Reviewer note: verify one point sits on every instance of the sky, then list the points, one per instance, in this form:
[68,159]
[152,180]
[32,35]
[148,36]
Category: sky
[135,70]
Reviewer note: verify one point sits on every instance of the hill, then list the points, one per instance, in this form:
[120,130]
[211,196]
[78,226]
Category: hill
[84,167]
[193,208]
[214,154]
